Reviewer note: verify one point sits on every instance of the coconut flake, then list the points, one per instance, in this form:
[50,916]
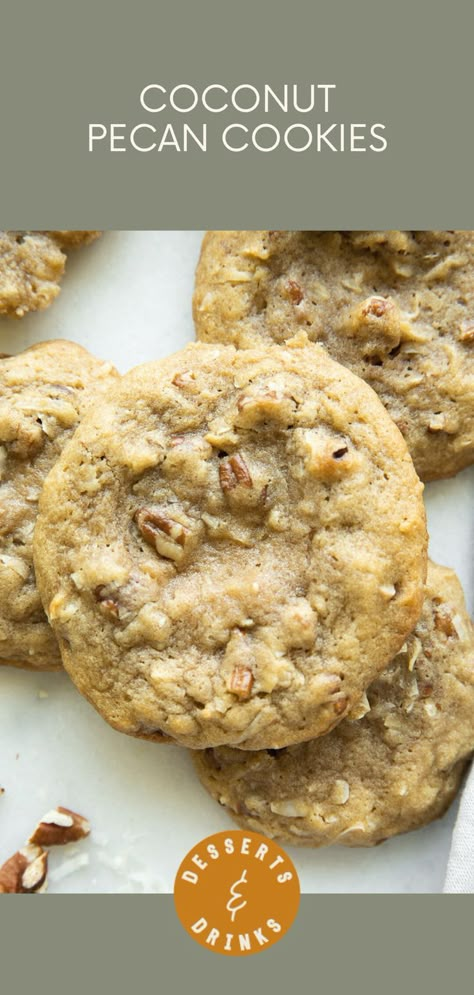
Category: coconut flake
[291,808]
[69,867]
[341,792]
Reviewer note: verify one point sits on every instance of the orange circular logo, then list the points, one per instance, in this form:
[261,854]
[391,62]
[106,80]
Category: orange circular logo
[236,893]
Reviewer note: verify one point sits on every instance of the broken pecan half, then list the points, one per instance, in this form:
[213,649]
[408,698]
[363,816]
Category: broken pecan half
[241,681]
[168,535]
[25,872]
[467,333]
[60,826]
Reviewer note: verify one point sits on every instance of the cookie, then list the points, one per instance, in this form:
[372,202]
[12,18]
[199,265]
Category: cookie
[392,770]
[396,307]
[232,546]
[31,267]
[43,393]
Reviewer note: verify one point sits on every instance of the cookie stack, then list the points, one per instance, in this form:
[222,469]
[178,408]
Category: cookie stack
[231,547]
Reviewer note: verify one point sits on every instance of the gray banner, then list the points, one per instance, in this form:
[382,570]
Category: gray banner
[337,944]
[406,66]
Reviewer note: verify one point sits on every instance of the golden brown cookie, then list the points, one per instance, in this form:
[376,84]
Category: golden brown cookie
[396,307]
[43,393]
[232,546]
[395,769]
[31,267]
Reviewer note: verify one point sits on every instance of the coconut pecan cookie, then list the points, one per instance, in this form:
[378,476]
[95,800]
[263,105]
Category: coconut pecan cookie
[31,267]
[396,307]
[392,770]
[43,393]
[232,546]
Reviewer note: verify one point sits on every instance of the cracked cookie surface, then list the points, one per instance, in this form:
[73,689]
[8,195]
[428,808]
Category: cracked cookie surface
[43,393]
[396,307]
[32,265]
[390,771]
[232,546]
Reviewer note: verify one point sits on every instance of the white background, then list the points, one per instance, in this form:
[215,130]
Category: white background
[128,298]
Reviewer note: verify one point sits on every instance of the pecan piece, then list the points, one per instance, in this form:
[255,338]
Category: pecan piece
[376,307]
[466,333]
[444,621]
[60,826]
[168,535]
[25,872]
[378,321]
[108,605]
[233,472]
[249,400]
[425,690]
[294,292]
[241,681]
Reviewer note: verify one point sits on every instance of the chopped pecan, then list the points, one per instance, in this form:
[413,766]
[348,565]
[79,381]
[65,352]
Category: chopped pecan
[234,471]
[60,826]
[241,681]
[25,872]
[294,292]
[340,705]
[425,690]
[166,534]
[150,521]
[226,477]
[376,307]
[444,621]
[249,400]
[108,605]
[467,333]
[402,425]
